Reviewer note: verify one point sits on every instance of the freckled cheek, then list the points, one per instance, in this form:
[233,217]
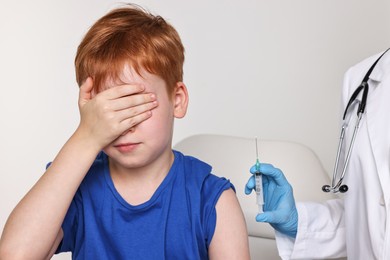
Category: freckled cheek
[159,120]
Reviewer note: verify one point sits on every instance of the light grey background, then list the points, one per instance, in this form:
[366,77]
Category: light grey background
[271,69]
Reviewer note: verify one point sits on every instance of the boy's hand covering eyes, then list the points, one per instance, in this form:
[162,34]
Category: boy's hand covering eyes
[110,113]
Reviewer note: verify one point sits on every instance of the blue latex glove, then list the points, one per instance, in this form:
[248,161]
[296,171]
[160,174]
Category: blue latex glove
[279,204]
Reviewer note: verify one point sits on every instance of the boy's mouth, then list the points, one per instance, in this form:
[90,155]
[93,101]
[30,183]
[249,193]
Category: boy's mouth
[126,147]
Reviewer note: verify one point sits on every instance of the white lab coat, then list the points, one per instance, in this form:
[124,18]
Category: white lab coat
[358,224]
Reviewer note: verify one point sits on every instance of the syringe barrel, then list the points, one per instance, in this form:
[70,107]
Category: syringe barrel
[259,191]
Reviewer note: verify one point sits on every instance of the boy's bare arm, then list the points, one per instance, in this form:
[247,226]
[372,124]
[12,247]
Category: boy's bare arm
[230,240]
[33,230]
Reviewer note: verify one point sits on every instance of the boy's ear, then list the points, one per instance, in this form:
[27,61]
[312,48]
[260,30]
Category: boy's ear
[180,100]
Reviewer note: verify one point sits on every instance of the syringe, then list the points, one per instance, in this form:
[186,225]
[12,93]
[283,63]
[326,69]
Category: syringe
[258,182]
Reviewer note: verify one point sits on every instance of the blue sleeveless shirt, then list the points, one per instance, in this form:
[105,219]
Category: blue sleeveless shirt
[178,222]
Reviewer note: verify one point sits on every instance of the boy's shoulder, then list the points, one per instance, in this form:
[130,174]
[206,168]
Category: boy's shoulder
[197,171]
[190,164]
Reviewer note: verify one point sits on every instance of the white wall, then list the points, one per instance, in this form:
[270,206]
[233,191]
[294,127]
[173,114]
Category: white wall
[253,67]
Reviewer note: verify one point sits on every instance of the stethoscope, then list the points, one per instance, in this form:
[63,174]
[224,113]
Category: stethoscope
[363,87]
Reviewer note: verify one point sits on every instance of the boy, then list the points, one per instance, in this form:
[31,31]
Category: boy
[116,190]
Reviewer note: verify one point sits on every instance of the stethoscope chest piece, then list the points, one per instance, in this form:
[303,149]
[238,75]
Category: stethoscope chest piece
[327,188]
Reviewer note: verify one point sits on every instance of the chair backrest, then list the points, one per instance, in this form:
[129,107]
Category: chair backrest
[231,157]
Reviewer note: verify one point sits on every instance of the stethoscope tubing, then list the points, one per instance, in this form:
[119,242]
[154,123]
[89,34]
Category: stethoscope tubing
[335,187]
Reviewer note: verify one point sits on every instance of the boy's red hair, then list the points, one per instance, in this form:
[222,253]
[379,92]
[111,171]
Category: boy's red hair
[130,36]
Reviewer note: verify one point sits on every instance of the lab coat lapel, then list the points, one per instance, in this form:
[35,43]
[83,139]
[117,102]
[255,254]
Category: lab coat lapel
[377,113]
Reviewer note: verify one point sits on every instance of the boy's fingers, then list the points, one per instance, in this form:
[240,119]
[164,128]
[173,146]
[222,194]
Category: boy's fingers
[122,91]
[134,101]
[127,113]
[135,120]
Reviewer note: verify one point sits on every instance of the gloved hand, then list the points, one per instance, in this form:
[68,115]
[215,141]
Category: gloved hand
[279,204]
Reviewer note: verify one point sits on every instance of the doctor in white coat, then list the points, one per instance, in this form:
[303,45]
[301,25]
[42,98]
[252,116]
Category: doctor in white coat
[357,225]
